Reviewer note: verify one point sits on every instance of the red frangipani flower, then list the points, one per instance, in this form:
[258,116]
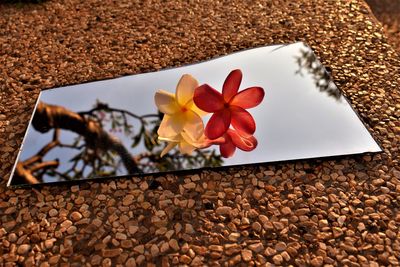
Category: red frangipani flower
[234,140]
[228,107]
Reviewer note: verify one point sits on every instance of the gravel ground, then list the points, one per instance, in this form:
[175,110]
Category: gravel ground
[388,13]
[315,212]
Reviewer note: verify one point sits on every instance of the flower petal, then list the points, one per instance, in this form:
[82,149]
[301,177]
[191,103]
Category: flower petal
[248,98]
[208,99]
[168,148]
[218,124]
[242,121]
[171,125]
[231,84]
[227,149]
[243,143]
[192,106]
[185,89]
[186,148]
[197,143]
[193,125]
[166,102]
[175,138]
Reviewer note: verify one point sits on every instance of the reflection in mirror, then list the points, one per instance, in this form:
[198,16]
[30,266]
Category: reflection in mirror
[308,62]
[109,128]
[95,149]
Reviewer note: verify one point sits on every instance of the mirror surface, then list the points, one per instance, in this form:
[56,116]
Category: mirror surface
[109,128]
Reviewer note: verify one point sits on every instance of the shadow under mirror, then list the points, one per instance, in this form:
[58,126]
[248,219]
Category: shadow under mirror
[112,128]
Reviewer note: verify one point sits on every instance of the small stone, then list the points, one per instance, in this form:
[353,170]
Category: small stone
[378,182]
[127,200]
[277,259]
[67,252]
[257,247]
[302,211]
[111,253]
[280,246]
[189,186]
[164,247]
[140,259]
[53,212]
[317,261]
[246,255]
[361,227]
[234,237]
[121,236]
[278,225]
[23,249]
[337,232]
[256,226]
[285,256]
[139,249]
[72,229]
[144,186]
[216,248]
[54,259]
[231,249]
[65,224]
[76,216]
[185,259]
[12,237]
[96,260]
[189,229]
[191,203]
[132,229]
[154,250]
[173,244]
[74,188]
[286,211]
[49,243]
[97,222]
[131,262]
[319,186]
[195,178]
[225,210]
[370,202]
[126,243]
[323,223]
[81,200]
[269,252]
[341,220]
[257,194]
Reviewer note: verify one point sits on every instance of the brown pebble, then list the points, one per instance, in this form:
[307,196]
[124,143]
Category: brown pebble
[139,249]
[53,212]
[76,216]
[223,210]
[173,244]
[257,247]
[111,253]
[317,261]
[231,249]
[247,255]
[185,259]
[154,250]
[23,249]
[286,211]
[131,262]
[280,246]
[277,259]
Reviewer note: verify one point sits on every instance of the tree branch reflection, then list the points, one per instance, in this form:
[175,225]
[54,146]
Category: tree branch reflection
[98,152]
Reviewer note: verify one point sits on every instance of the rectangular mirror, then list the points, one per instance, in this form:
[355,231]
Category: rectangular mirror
[109,128]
